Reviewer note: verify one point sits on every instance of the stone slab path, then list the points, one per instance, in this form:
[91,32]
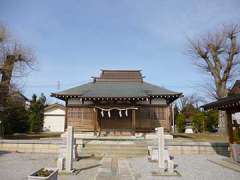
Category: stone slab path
[17,166]
[114,168]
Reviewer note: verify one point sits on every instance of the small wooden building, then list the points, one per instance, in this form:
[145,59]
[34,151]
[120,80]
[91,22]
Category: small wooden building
[118,101]
[230,104]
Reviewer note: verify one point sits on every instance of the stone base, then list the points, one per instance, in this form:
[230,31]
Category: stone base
[80,135]
[152,161]
[189,131]
[150,136]
[64,172]
[165,173]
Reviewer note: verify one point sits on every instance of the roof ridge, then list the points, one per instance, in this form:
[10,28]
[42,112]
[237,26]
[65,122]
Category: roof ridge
[122,70]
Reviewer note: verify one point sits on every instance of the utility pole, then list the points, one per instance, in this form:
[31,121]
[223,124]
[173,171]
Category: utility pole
[58,85]
[173,118]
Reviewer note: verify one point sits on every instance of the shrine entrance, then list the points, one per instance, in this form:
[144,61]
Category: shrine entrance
[116,121]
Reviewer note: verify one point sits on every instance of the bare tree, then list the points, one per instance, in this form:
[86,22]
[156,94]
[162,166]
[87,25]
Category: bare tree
[217,55]
[194,100]
[14,58]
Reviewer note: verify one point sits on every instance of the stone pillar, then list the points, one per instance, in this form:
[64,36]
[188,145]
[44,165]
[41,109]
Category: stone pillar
[60,163]
[222,129]
[160,134]
[69,150]
[80,145]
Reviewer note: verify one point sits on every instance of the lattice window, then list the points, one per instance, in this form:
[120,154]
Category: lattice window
[80,114]
[150,117]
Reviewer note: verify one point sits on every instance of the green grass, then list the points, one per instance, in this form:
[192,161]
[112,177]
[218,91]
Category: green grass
[33,135]
[201,137]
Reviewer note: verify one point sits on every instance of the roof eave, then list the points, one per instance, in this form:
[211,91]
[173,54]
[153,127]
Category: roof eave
[223,104]
[172,97]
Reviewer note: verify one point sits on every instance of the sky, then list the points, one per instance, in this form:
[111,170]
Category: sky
[73,40]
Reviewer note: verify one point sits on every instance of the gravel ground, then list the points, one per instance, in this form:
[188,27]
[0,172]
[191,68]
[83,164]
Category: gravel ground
[191,167]
[16,166]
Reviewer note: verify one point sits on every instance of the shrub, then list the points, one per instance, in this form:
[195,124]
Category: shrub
[180,122]
[15,118]
[236,135]
[198,121]
[212,121]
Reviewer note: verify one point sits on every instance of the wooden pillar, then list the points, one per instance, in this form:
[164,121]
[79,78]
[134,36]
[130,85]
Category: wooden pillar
[99,125]
[96,122]
[168,118]
[133,121]
[66,114]
[229,127]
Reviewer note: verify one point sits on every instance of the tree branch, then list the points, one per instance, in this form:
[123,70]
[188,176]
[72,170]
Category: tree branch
[216,55]
[233,51]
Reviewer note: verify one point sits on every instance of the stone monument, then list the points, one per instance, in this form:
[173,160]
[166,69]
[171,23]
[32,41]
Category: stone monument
[69,149]
[67,152]
[160,154]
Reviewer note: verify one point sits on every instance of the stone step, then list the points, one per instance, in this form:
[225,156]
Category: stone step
[116,147]
[121,150]
[123,155]
[126,151]
[112,153]
[116,151]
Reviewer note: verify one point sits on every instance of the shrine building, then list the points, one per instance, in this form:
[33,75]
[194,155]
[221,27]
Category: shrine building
[118,102]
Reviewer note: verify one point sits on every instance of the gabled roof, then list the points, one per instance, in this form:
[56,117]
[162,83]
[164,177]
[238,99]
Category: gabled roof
[54,106]
[117,89]
[229,102]
[118,84]
[236,88]
[237,83]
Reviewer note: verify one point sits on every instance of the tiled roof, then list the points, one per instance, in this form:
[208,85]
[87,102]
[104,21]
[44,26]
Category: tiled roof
[117,89]
[118,84]
[231,102]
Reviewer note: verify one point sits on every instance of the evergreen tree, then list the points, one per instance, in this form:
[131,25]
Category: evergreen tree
[36,113]
[180,122]
[198,120]
[15,117]
[212,120]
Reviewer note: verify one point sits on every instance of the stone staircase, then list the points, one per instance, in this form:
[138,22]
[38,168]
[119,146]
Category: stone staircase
[114,149]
